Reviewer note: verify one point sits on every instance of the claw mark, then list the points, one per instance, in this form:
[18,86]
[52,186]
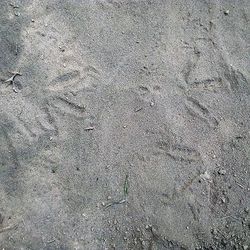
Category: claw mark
[68,76]
[10,227]
[179,192]
[50,118]
[187,185]
[92,69]
[198,110]
[163,243]
[187,71]
[69,107]
[72,104]
[197,104]
[194,211]
[190,66]
[10,147]
[11,80]
[24,128]
[179,152]
[183,153]
[209,83]
[238,82]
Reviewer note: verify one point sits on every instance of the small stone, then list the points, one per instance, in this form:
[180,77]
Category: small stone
[32,20]
[205,176]
[222,172]
[223,199]
[223,242]
[62,49]
[103,203]
[152,103]
[109,198]
[246,210]
[226,12]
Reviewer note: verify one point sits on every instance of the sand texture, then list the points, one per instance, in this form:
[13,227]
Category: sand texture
[125,124]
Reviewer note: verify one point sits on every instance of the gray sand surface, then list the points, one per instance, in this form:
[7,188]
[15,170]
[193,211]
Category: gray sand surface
[129,126]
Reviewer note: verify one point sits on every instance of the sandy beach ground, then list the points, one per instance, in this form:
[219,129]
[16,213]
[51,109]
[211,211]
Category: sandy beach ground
[125,124]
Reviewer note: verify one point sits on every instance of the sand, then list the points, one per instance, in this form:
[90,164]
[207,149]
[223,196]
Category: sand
[128,126]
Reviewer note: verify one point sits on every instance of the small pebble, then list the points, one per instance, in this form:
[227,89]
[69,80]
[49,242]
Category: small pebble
[226,12]
[222,171]
[205,176]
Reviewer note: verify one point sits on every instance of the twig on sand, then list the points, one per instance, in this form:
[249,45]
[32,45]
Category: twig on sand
[116,203]
[126,185]
[229,216]
[138,109]
[15,6]
[125,193]
[241,186]
[10,227]
[11,80]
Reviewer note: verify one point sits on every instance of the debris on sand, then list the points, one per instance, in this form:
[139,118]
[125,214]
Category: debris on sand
[125,193]
[138,109]
[11,80]
[14,6]
[222,172]
[4,229]
[205,176]
[115,203]
[126,185]
[89,128]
